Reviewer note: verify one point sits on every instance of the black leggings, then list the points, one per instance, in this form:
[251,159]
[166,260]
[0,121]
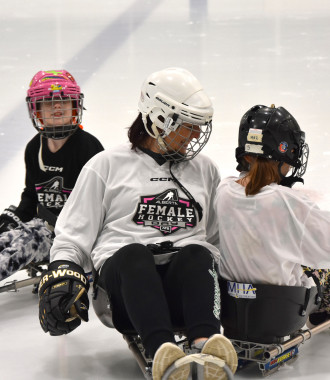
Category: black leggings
[154,300]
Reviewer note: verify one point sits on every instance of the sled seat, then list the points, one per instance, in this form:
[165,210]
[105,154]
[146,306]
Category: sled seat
[101,305]
[264,313]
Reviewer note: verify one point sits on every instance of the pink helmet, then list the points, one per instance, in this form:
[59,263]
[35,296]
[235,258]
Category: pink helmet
[50,87]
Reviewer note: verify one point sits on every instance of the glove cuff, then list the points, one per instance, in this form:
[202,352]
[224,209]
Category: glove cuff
[10,213]
[61,270]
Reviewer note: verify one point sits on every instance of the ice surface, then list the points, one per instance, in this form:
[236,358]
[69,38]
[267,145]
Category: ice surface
[244,53]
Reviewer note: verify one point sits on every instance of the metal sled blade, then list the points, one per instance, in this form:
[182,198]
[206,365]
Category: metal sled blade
[15,285]
[137,349]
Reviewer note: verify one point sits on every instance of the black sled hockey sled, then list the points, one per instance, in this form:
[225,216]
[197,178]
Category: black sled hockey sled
[103,311]
[264,322]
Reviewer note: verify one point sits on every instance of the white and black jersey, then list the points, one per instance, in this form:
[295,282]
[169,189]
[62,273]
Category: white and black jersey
[124,196]
[268,236]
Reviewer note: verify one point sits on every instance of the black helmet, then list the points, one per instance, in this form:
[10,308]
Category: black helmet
[272,133]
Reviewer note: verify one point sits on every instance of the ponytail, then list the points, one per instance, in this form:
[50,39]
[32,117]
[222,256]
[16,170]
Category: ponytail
[263,172]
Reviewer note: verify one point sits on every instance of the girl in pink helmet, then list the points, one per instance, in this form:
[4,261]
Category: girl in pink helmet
[53,160]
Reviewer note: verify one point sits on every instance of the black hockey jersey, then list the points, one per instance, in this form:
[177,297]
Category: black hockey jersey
[51,188]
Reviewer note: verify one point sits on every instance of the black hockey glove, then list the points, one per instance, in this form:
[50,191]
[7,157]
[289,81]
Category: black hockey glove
[8,219]
[63,298]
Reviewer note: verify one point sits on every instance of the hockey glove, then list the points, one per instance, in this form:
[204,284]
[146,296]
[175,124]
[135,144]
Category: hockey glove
[8,219]
[63,298]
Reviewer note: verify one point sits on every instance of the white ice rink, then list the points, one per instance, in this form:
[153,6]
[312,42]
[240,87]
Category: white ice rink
[245,52]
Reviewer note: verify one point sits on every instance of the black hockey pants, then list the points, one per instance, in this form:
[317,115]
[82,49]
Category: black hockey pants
[154,300]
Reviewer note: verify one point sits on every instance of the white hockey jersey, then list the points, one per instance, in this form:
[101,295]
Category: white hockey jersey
[124,196]
[266,237]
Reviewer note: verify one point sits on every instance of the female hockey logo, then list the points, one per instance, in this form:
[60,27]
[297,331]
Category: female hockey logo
[165,211]
[52,193]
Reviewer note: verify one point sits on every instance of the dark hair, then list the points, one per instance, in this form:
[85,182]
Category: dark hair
[137,133]
[263,172]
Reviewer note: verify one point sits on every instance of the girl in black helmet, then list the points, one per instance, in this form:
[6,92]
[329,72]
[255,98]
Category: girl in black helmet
[267,230]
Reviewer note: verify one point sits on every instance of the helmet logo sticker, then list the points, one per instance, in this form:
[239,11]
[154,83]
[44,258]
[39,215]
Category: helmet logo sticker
[283,147]
[165,212]
[56,87]
[163,101]
[53,77]
[255,135]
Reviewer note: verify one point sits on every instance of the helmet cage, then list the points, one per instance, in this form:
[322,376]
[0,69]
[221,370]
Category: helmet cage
[303,160]
[55,127]
[185,148]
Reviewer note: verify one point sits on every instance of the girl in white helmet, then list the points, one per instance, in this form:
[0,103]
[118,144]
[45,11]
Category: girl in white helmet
[143,214]
[53,160]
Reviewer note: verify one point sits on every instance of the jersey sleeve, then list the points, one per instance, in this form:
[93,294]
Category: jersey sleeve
[80,220]
[315,242]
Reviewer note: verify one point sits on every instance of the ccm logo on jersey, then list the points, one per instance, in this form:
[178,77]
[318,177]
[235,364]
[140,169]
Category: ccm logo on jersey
[162,179]
[62,273]
[53,169]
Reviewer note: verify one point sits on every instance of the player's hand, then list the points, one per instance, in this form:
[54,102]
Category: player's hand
[8,219]
[63,298]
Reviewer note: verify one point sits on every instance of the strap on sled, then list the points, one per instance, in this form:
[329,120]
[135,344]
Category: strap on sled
[163,252]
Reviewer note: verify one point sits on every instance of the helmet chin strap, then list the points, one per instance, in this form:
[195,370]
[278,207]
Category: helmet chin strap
[279,170]
[40,161]
[158,137]
[288,181]
[155,134]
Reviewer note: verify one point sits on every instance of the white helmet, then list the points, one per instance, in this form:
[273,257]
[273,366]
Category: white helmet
[169,98]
